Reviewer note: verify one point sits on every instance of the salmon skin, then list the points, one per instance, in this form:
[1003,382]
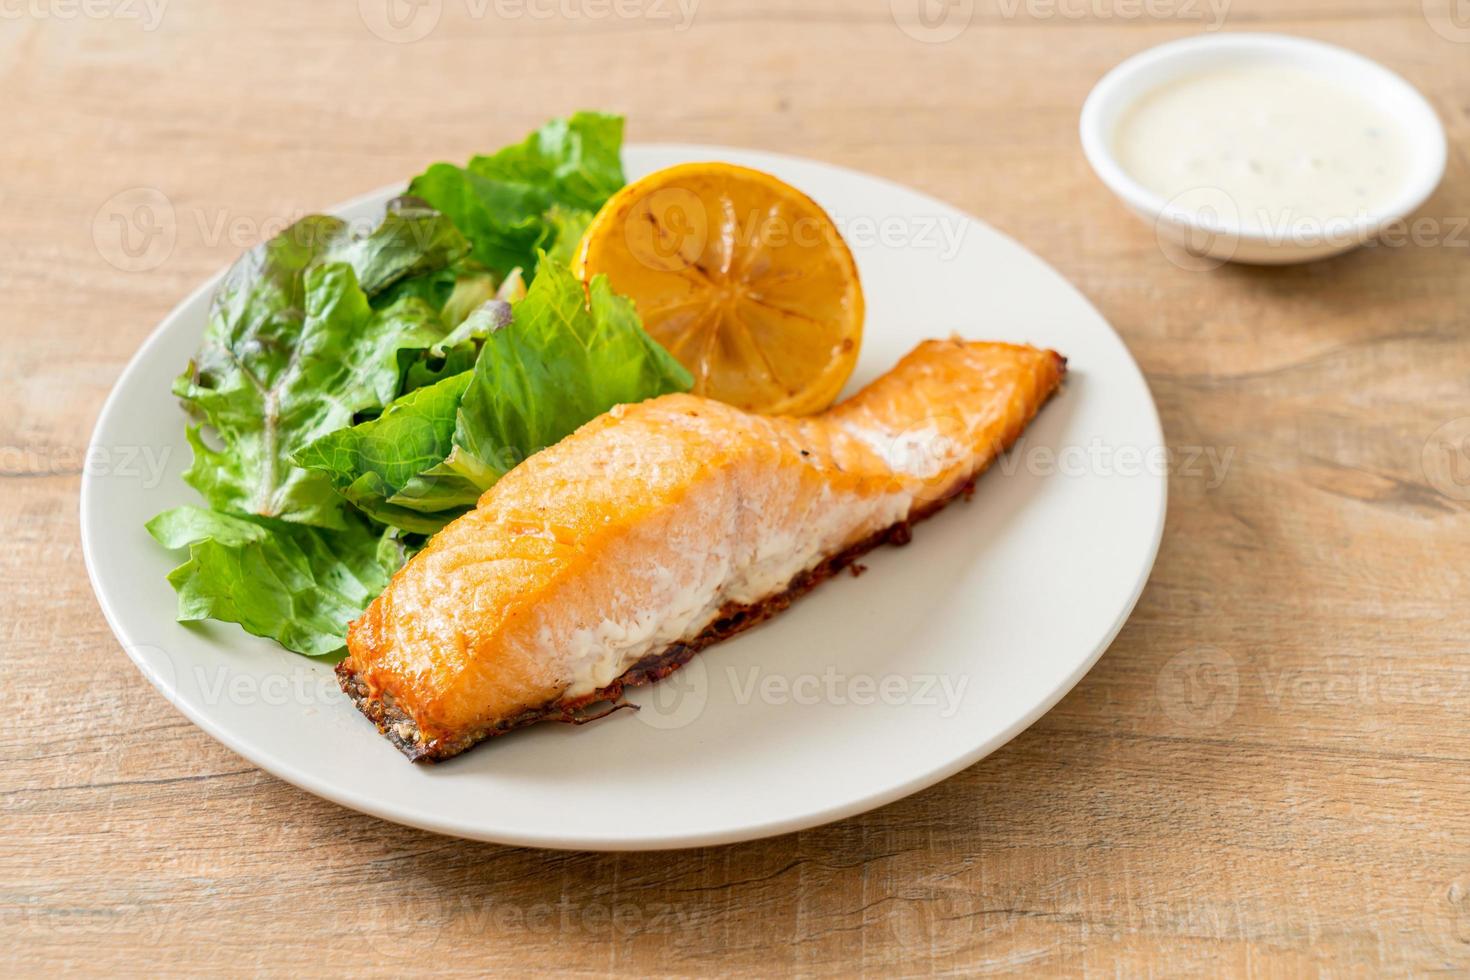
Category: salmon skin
[610,558]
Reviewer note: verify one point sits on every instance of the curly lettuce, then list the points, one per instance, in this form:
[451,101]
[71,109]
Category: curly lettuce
[356,389]
[568,355]
[295,584]
[505,202]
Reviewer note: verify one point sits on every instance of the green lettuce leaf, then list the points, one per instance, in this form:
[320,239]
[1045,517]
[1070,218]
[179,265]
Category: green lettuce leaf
[411,239]
[454,292]
[570,354]
[569,225]
[297,585]
[490,316]
[400,468]
[567,356]
[501,202]
[578,160]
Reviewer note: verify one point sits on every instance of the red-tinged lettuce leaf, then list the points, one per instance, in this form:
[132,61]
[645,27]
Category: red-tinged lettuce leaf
[257,312]
[294,349]
[343,359]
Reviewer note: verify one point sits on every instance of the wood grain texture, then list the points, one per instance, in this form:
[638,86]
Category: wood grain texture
[1266,775]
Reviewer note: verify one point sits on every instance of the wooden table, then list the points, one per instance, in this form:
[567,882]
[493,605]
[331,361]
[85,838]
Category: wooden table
[1267,774]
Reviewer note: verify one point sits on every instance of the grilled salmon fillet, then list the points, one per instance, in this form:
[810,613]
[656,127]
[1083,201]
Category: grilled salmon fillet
[657,528]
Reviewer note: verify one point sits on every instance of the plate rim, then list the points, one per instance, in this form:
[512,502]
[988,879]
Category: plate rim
[287,772]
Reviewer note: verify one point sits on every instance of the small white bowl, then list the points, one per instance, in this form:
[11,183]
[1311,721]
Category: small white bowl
[1226,240]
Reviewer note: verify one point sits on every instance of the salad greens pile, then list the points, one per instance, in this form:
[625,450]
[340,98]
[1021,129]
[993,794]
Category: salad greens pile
[357,389]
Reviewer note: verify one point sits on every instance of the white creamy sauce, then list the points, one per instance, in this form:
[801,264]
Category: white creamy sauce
[1264,148]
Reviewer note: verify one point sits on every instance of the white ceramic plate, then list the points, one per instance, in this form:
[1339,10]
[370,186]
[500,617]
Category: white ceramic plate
[867,690]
